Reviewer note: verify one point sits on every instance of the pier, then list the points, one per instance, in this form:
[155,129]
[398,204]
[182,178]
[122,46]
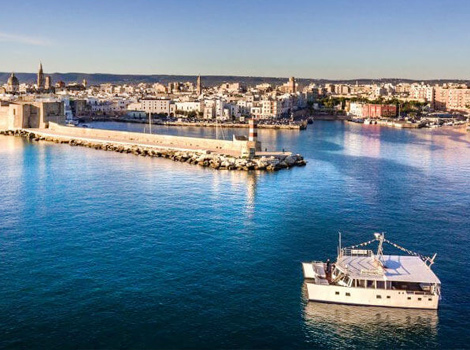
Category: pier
[237,154]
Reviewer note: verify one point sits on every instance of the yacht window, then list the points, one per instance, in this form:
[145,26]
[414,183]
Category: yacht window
[370,284]
[430,299]
[348,294]
[380,284]
[337,293]
[409,298]
[388,296]
[361,283]
[419,298]
[379,297]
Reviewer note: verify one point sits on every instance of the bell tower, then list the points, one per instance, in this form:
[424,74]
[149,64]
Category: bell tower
[40,80]
[199,85]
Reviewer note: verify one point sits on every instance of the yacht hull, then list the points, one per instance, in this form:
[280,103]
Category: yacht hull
[372,297]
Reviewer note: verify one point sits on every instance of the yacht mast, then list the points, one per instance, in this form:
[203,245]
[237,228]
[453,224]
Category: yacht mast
[380,237]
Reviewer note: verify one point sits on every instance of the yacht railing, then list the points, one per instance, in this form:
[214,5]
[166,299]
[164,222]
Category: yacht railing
[357,252]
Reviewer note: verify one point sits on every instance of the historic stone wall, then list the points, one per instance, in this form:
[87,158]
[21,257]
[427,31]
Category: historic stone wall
[4,125]
[21,114]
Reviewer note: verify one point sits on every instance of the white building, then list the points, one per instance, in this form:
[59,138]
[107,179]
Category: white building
[196,106]
[355,109]
[157,106]
[271,108]
[423,93]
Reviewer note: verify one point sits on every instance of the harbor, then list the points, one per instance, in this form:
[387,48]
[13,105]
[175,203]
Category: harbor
[122,239]
[431,122]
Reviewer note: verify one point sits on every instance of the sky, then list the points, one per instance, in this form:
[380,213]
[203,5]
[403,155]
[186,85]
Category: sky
[329,39]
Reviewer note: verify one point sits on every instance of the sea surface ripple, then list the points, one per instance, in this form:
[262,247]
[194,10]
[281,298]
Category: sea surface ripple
[106,250]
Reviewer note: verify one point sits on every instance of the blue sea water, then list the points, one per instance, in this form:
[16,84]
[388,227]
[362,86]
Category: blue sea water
[105,250]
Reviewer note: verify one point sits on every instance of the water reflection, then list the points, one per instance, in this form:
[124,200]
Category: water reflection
[336,325]
[9,144]
[365,143]
[250,196]
[240,182]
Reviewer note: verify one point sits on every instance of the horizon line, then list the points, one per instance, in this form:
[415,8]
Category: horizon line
[244,76]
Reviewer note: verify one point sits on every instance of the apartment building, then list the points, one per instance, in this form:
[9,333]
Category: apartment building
[452,98]
[423,93]
[157,106]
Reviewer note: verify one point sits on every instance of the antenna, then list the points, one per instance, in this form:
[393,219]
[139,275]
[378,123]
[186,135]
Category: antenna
[339,244]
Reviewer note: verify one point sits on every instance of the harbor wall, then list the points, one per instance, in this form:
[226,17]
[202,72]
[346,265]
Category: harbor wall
[238,146]
[221,161]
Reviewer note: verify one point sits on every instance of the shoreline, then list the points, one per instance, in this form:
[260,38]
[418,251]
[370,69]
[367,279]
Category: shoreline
[404,125]
[302,126]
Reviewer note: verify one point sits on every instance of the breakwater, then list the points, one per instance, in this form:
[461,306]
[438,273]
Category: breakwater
[201,157]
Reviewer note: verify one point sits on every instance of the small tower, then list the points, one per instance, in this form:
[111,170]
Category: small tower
[40,80]
[48,83]
[292,85]
[199,85]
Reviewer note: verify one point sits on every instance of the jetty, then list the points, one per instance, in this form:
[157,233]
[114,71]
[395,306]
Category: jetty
[240,153]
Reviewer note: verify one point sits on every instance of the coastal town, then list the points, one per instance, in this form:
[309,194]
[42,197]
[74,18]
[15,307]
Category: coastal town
[290,105]
[234,174]
[45,115]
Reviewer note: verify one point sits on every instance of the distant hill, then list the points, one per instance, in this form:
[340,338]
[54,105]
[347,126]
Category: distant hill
[209,80]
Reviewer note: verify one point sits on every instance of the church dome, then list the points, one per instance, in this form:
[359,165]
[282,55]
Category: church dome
[13,80]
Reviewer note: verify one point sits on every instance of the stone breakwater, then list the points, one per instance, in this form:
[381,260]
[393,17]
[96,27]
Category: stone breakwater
[197,157]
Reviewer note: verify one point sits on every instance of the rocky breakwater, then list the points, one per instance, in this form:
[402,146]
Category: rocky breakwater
[197,157]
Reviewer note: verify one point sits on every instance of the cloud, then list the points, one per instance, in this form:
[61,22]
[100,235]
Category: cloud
[21,39]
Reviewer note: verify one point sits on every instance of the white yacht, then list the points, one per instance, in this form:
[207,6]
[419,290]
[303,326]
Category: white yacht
[360,277]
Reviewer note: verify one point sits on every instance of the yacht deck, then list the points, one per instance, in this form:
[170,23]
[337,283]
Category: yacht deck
[396,268]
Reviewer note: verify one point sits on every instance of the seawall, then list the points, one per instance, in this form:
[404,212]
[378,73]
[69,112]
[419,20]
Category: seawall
[222,146]
[201,157]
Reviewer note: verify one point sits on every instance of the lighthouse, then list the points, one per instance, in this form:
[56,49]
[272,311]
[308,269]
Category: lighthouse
[253,135]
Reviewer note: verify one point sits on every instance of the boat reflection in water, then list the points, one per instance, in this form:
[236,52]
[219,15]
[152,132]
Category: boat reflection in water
[339,325]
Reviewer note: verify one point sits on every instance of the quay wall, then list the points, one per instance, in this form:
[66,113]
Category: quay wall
[238,146]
